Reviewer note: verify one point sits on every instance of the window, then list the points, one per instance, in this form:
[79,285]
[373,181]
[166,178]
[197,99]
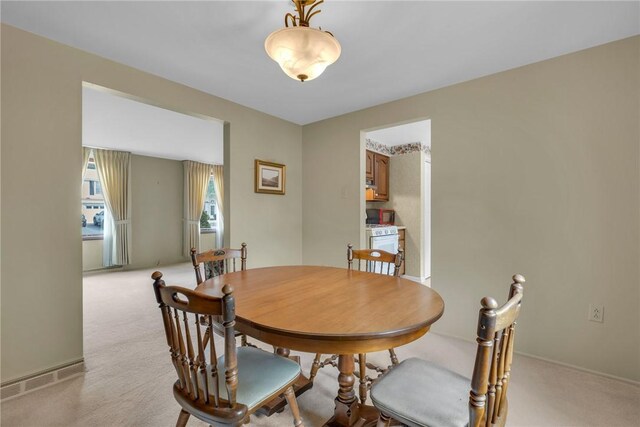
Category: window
[95,188]
[209,217]
[92,204]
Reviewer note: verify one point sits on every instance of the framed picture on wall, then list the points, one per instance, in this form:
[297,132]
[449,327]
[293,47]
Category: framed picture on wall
[269,177]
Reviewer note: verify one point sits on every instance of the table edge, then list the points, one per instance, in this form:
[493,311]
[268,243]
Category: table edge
[339,337]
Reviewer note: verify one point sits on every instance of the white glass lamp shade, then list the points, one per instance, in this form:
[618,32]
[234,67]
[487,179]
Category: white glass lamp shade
[302,52]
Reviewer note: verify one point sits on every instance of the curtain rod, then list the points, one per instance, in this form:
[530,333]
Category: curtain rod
[147,155]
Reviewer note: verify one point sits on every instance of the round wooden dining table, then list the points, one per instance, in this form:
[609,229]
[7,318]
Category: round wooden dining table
[331,311]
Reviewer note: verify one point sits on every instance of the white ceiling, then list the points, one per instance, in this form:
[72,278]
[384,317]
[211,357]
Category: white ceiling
[117,123]
[390,49]
[403,134]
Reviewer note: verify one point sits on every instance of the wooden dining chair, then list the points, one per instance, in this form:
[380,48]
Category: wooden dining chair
[218,261]
[214,263]
[225,390]
[421,393]
[375,260]
[372,261]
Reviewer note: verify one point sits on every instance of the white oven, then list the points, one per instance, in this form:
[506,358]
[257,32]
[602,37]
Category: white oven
[388,243]
[383,237]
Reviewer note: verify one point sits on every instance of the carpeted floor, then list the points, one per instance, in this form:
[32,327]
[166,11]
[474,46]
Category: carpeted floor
[129,375]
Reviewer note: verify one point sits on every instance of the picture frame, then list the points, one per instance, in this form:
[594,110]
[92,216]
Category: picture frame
[269,178]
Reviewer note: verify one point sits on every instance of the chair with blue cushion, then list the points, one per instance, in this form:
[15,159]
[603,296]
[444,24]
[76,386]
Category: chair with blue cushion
[225,390]
[420,393]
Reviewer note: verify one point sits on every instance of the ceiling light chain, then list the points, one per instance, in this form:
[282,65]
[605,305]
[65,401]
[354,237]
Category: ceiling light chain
[302,19]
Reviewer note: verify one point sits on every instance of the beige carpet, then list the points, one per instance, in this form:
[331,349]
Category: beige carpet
[129,375]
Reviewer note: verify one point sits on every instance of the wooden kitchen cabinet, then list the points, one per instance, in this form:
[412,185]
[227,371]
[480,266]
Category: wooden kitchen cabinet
[380,178]
[402,245]
[369,167]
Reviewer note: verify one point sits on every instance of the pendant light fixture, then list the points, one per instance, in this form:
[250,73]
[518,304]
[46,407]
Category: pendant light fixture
[302,52]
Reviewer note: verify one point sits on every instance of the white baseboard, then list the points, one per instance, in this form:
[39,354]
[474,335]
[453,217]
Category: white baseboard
[414,278]
[555,362]
[39,380]
[580,368]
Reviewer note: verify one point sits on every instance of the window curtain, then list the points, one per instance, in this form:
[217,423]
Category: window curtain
[86,153]
[218,182]
[114,171]
[196,179]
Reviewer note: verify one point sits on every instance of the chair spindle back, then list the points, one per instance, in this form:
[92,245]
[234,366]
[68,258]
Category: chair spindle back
[197,368]
[492,370]
[375,260]
[218,261]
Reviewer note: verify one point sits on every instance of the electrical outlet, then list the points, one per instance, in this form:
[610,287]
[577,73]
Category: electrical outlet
[596,313]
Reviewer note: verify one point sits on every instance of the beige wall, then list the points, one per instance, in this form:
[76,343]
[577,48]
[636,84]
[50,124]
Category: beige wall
[92,254]
[157,187]
[92,251]
[535,171]
[405,198]
[41,129]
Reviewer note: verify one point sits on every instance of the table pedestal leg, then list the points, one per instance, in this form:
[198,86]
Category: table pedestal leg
[348,412]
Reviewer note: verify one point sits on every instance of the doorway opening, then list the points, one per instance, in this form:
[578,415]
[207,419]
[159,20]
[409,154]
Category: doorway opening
[142,151]
[138,181]
[396,169]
